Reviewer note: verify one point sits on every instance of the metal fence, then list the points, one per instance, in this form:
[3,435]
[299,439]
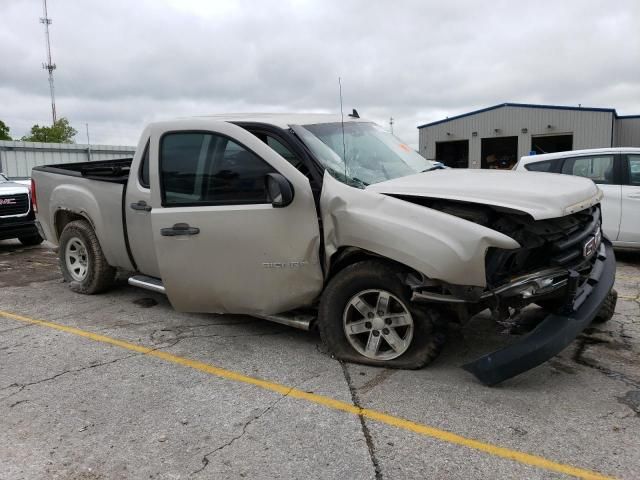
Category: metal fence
[18,158]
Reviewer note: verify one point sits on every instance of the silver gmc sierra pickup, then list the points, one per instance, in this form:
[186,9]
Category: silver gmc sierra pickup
[318,221]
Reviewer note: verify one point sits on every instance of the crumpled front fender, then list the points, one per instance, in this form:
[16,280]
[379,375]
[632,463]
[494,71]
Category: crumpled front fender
[436,244]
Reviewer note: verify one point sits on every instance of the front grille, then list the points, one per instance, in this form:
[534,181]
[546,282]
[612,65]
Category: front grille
[17,204]
[555,242]
[570,247]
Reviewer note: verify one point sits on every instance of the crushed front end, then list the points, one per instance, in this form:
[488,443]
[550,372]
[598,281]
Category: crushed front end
[564,265]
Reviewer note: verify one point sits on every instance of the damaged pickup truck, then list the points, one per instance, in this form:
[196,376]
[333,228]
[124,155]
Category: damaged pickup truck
[309,220]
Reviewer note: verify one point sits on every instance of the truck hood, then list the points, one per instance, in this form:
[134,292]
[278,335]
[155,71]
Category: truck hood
[541,195]
[12,188]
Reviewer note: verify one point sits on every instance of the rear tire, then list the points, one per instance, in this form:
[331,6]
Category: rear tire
[392,320]
[82,262]
[31,240]
[608,307]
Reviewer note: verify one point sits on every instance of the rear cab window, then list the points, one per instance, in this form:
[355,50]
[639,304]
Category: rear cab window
[143,172]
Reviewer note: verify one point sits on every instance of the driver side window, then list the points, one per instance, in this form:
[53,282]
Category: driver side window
[285,152]
[199,168]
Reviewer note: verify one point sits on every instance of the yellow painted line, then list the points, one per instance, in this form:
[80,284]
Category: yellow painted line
[419,428]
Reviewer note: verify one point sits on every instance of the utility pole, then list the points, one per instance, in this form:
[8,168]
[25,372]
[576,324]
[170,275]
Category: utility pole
[391,125]
[88,142]
[49,66]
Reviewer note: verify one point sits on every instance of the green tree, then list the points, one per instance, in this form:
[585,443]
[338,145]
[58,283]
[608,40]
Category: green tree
[59,132]
[4,131]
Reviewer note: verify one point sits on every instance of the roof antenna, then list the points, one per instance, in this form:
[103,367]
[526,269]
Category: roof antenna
[344,145]
[354,114]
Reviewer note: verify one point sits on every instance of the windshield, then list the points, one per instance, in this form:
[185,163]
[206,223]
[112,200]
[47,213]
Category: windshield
[367,155]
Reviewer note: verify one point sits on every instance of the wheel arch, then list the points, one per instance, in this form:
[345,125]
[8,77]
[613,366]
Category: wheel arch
[349,255]
[63,217]
[98,204]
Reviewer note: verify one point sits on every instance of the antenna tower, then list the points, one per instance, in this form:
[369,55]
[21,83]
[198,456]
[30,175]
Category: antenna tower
[49,66]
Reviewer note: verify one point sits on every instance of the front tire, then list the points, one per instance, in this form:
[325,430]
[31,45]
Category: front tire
[82,262]
[366,316]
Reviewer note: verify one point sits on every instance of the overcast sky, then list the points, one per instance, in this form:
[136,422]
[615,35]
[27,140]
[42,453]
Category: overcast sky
[122,63]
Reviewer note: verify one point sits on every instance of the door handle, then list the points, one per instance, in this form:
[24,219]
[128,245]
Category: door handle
[179,229]
[633,195]
[141,205]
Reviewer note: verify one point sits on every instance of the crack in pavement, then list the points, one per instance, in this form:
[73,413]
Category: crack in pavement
[224,322]
[127,324]
[365,429]
[22,386]
[624,337]
[179,336]
[15,328]
[580,360]
[79,313]
[18,403]
[180,327]
[205,458]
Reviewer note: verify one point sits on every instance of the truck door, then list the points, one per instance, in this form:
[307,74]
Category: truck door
[603,169]
[137,211]
[630,221]
[222,245]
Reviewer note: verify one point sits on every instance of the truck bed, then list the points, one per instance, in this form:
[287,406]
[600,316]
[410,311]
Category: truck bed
[114,171]
[95,191]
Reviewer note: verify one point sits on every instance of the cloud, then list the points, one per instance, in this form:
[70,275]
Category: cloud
[122,63]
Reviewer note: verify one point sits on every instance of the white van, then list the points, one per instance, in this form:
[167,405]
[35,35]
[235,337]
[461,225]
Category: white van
[617,173]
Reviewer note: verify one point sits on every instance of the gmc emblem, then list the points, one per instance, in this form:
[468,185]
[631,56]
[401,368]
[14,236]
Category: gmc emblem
[7,201]
[591,245]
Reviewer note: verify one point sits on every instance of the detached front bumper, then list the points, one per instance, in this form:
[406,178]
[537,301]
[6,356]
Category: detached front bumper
[556,331]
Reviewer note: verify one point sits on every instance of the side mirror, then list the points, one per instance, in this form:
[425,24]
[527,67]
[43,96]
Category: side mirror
[279,190]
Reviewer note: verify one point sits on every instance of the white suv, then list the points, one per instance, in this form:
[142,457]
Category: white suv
[617,173]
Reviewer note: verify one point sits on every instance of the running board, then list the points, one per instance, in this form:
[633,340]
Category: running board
[300,320]
[148,283]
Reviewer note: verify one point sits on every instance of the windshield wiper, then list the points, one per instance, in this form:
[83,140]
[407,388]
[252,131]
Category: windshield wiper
[355,179]
[437,166]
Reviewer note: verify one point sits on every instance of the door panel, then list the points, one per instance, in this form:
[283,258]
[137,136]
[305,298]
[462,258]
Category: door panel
[611,210]
[602,170]
[137,212]
[630,221]
[224,248]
